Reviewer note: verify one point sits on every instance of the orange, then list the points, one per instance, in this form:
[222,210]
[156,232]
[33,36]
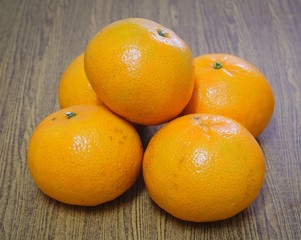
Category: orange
[74,88]
[141,70]
[84,155]
[203,167]
[229,86]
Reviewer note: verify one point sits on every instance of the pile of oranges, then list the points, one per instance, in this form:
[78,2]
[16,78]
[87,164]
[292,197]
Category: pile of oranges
[203,165]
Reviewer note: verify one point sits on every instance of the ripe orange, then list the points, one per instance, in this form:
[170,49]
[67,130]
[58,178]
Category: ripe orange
[74,88]
[141,70]
[203,167]
[229,86]
[84,155]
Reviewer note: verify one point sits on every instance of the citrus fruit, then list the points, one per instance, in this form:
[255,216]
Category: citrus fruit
[74,88]
[203,167]
[84,155]
[229,86]
[141,70]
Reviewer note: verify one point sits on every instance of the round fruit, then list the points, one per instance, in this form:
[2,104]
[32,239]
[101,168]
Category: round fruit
[229,86]
[74,88]
[84,155]
[203,168]
[141,70]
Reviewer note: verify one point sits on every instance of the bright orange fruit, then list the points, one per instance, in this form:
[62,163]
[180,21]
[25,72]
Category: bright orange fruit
[74,88]
[230,86]
[203,168]
[141,70]
[84,155]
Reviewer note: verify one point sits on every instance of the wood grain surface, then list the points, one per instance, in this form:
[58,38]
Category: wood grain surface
[38,39]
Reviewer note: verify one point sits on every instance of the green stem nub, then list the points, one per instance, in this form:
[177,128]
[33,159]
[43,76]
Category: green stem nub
[70,114]
[217,65]
[162,33]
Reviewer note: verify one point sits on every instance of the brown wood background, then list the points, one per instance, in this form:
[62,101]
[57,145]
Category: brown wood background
[38,39]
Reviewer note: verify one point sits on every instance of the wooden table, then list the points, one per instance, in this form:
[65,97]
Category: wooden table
[38,39]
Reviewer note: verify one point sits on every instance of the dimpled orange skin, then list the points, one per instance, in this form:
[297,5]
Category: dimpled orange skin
[141,70]
[74,88]
[87,159]
[203,168]
[237,90]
